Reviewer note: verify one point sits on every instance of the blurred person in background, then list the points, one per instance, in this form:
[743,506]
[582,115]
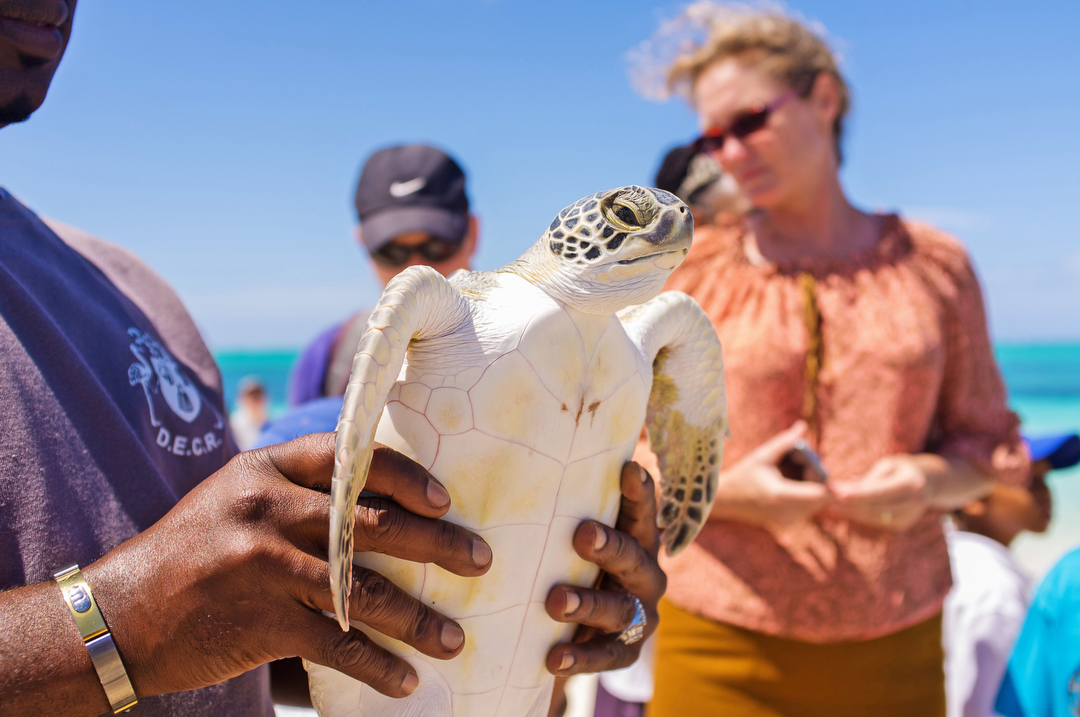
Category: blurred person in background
[864,336]
[699,181]
[251,413]
[413,210]
[990,595]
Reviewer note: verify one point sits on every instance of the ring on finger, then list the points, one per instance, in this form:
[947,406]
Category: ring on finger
[636,629]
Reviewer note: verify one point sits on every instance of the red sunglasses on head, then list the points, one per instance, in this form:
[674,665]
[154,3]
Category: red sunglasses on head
[744,125]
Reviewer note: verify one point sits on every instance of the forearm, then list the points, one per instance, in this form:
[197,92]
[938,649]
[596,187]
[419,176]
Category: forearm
[767,501]
[736,502]
[44,667]
[952,483]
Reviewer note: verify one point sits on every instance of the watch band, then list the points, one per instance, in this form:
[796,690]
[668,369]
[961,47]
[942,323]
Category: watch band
[95,635]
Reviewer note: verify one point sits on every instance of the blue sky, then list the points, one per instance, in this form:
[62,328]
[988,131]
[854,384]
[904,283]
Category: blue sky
[221,141]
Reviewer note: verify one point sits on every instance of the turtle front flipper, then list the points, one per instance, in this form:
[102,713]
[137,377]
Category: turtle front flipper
[687,412]
[417,304]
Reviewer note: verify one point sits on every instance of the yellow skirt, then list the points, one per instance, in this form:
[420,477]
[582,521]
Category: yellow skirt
[710,668]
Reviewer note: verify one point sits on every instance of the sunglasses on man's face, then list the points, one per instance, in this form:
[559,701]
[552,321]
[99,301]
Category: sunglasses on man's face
[744,125]
[434,250]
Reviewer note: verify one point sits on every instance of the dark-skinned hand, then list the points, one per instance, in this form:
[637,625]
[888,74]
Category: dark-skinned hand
[627,555]
[235,575]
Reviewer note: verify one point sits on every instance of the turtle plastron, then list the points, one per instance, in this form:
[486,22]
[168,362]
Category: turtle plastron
[524,393]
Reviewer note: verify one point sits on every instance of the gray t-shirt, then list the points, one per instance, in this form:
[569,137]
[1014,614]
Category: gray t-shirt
[110,411]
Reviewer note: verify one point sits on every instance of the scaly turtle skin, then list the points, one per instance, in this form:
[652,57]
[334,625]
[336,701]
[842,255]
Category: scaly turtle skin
[524,392]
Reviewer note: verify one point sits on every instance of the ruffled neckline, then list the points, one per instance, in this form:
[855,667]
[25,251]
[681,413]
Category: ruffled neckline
[893,243]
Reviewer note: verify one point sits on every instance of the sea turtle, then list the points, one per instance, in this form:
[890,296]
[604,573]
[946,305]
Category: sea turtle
[524,392]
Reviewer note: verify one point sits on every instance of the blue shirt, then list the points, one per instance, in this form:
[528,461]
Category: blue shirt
[317,416]
[1043,676]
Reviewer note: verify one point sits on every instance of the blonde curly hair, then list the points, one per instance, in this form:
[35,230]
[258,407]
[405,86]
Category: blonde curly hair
[767,37]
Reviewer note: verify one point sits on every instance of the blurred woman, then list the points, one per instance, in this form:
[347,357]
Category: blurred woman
[861,334]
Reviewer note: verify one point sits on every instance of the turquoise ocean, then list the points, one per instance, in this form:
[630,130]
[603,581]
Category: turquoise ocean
[1044,389]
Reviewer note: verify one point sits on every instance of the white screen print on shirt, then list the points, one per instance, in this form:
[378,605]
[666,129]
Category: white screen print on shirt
[161,379]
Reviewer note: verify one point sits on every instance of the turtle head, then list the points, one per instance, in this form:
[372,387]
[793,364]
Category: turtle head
[611,250]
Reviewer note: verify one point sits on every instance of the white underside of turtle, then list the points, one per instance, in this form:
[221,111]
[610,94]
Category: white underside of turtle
[524,392]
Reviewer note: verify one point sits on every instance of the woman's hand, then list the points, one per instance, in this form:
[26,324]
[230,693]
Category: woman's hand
[627,555]
[754,491]
[893,494]
[898,490]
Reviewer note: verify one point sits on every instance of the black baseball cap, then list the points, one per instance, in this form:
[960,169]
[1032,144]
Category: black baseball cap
[686,173]
[411,188]
[673,168]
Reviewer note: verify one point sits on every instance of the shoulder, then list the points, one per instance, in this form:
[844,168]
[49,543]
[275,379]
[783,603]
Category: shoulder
[1060,589]
[937,248]
[150,294]
[128,272]
[477,284]
[943,263]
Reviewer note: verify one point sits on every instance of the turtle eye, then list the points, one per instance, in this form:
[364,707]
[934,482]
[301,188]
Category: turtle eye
[626,215]
[627,210]
[623,215]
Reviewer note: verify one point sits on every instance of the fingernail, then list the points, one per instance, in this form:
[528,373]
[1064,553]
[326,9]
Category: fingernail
[644,474]
[452,636]
[567,661]
[481,553]
[437,495]
[408,685]
[573,602]
[600,540]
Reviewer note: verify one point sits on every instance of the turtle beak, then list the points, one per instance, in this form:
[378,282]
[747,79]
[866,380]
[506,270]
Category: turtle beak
[670,259]
[667,242]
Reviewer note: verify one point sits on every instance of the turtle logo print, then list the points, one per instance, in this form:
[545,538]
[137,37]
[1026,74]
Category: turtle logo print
[159,375]
[158,372]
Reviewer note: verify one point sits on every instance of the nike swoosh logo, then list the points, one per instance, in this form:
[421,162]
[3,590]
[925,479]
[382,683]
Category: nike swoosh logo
[404,189]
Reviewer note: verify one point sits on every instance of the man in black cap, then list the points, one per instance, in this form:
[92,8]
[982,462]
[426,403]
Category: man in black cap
[413,209]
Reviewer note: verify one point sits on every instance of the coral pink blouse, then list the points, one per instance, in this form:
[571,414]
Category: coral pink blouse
[906,367]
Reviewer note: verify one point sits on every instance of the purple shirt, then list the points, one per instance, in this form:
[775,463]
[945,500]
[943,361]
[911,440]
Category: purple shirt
[110,411]
[324,366]
[309,372]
